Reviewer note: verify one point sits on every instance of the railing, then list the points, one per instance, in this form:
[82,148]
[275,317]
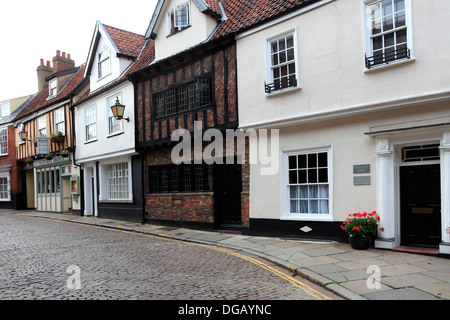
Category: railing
[281,84]
[386,57]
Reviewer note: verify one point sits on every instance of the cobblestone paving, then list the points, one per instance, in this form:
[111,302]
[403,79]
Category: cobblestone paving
[35,255]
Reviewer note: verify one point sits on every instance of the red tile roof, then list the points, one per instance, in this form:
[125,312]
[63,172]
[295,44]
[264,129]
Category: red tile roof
[41,100]
[244,14]
[128,43]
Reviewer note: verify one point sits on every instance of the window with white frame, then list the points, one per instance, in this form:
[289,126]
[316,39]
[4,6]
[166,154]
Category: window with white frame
[59,121]
[90,120]
[281,69]
[53,88]
[118,183]
[5,109]
[308,184]
[178,18]
[3,141]
[42,126]
[104,63]
[114,125]
[388,34]
[5,187]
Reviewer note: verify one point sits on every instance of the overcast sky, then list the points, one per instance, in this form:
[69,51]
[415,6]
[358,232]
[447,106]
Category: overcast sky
[31,30]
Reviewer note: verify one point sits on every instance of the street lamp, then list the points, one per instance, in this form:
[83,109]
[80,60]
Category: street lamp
[23,135]
[118,110]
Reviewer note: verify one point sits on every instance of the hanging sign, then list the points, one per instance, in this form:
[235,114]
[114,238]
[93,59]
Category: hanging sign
[42,145]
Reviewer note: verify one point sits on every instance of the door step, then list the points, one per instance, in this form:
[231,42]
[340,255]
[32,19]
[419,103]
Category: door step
[420,250]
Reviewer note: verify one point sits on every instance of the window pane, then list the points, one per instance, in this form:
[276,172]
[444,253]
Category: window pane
[386,7]
[389,40]
[302,176]
[388,23]
[292,162]
[399,5]
[400,19]
[401,36]
[293,177]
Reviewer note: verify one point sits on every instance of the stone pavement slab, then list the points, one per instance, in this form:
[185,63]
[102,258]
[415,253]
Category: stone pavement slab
[400,294]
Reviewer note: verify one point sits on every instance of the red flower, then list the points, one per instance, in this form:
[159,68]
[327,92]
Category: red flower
[378,218]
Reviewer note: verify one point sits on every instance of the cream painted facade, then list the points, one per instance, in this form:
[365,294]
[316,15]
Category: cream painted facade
[357,116]
[200,28]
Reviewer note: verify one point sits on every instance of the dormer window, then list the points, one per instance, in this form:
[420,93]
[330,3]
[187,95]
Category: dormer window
[178,18]
[104,63]
[53,88]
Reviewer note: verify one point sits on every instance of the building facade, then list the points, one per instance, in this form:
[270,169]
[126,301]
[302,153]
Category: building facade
[361,105]
[111,167]
[190,86]
[10,169]
[44,141]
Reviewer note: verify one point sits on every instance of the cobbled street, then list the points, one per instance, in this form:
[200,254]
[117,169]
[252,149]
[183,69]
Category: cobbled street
[35,255]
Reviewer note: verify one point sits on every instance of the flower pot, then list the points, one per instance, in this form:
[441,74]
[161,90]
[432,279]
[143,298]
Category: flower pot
[58,139]
[360,242]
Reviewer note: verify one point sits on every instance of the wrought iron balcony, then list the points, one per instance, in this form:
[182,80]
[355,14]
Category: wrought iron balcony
[281,84]
[386,57]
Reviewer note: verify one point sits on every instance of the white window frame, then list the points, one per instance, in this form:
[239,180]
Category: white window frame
[285,191]
[112,122]
[5,109]
[57,115]
[42,126]
[104,171]
[368,44]
[3,141]
[53,88]
[172,15]
[88,123]
[268,58]
[6,175]
[113,178]
[106,60]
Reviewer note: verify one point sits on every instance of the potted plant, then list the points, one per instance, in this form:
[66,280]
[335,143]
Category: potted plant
[57,138]
[49,156]
[28,161]
[64,153]
[361,228]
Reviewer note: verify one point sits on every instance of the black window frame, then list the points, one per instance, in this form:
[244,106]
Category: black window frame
[192,92]
[177,178]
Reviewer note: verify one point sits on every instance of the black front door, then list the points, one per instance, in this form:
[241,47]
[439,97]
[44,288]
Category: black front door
[420,192]
[227,195]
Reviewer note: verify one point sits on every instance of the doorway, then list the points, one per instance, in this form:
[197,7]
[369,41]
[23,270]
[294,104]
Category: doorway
[420,196]
[227,195]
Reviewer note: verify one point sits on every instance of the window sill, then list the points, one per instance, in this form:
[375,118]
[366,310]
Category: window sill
[385,66]
[90,141]
[103,77]
[115,134]
[309,217]
[282,91]
[116,201]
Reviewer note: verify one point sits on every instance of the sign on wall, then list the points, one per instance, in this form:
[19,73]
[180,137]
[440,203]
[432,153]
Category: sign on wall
[42,145]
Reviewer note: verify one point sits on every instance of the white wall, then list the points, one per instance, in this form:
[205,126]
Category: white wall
[105,145]
[118,65]
[332,65]
[201,27]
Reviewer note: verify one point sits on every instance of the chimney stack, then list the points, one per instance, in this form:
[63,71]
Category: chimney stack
[61,62]
[43,71]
